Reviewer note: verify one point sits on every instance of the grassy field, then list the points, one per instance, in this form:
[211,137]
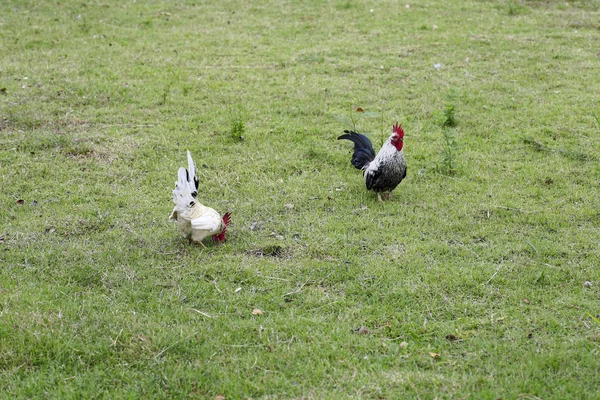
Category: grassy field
[478,280]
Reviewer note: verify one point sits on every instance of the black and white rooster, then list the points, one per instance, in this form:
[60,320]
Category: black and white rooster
[382,171]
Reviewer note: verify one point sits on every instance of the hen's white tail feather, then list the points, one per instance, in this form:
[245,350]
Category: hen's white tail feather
[191,168]
[182,194]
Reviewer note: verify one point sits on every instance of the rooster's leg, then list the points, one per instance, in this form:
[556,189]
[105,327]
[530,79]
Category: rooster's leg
[202,244]
[379,197]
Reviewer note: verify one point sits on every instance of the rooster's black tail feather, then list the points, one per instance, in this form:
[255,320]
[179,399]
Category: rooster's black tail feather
[363,149]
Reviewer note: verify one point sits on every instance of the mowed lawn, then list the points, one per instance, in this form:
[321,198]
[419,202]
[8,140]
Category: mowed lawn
[479,279]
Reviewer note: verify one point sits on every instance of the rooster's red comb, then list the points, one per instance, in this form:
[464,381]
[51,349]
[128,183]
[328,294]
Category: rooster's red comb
[398,130]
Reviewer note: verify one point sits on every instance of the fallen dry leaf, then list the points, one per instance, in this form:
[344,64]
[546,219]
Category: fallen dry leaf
[363,330]
[257,311]
[20,201]
[526,300]
[403,345]
[434,355]
[50,229]
[360,109]
[289,206]
[219,397]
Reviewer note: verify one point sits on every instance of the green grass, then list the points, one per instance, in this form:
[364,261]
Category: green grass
[101,297]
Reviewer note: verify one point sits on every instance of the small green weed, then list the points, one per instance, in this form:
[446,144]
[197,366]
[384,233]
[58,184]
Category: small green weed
[449,115]
[448,163]
[351,120]
[450,110]
[237,129]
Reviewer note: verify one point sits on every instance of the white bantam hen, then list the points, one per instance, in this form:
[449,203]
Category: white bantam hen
[194,220]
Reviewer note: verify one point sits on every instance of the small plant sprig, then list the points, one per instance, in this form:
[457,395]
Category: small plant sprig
[237,126]
[449,111]
[448,164]
[355,116]
[449,119]
[237,130]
